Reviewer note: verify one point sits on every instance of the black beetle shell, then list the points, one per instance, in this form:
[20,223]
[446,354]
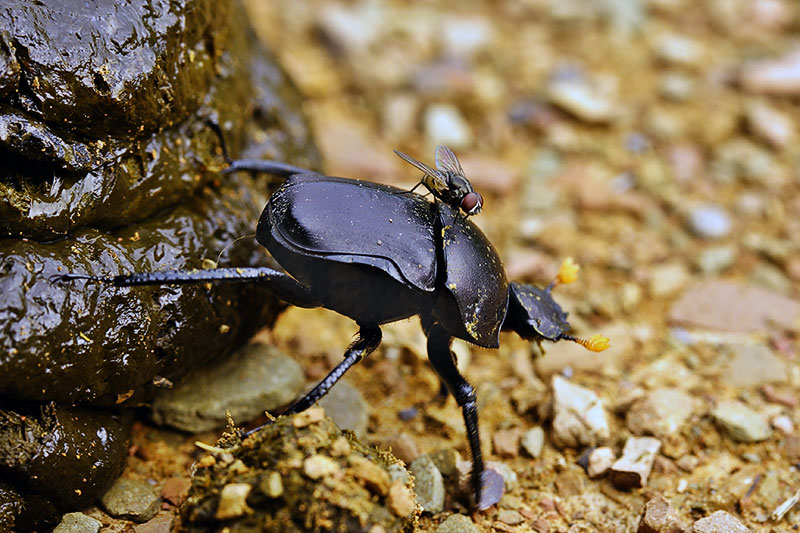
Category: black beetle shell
[354,221]
[366,251]
[474,276]
[543,317]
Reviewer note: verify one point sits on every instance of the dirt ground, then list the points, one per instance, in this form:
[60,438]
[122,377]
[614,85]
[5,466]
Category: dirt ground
[653,141]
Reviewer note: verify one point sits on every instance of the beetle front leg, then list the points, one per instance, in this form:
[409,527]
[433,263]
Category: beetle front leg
[443,361]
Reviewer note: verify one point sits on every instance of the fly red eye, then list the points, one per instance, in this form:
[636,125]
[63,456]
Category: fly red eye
[472,203]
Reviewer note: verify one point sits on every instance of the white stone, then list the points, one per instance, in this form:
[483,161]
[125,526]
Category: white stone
[579,416]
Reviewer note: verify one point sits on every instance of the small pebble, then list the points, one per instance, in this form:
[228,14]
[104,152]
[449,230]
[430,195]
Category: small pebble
[404,447]
[233,501]
[661,412]
[739,422]
[716,259]
[581,99]
[506,442]
[600,460]
[161,523]
[77,523]
[401,500]
[375,478]
[579,416]
[720,522]
[444,124]
[667,279]
[318,466]
[510,517]
[465,36]
[175,489]
[312,415]
[783,424]
[457,523]
[633,468]
[676,87]
[271,485]
[709,222]
[659,516]
[770,124]
[428,484]
[131,499]
[533,441]
[679,50]
[779,76]
[687,463]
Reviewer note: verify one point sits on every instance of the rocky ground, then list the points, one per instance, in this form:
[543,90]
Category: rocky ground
[653,141]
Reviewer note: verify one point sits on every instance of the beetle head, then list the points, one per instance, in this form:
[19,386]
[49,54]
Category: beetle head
[535,315]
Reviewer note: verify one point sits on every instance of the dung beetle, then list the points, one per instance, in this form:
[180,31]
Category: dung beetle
[378,254]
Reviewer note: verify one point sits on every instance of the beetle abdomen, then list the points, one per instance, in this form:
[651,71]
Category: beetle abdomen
[354,221]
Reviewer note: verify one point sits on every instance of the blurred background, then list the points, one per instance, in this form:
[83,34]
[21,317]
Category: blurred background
[655,141]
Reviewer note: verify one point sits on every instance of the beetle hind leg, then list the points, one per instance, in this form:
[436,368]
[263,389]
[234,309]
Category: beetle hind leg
[369,338]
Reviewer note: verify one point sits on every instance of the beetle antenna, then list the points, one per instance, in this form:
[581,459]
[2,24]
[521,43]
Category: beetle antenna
[567,273]
[234,241]
[595,343]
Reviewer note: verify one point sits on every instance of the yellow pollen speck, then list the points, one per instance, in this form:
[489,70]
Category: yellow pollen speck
[568,271]
[597,343]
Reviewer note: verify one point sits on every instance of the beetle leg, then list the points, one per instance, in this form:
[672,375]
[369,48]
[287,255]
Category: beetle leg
[369,338]
[443,362]
[265,165]
[280,283]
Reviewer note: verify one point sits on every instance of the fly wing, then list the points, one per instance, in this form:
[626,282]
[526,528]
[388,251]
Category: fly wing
[435,175]
[447,161]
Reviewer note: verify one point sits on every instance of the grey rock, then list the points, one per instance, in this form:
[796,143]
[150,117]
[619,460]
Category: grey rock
[660,412]
[428,484]
[709,221]
[754,364]
[254,379]
[533,441]
[740,423]
[716,259]
[346,406]
[720,522]
[77,523]
[457,523]
[131,499]
[579,417]
[446,460]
